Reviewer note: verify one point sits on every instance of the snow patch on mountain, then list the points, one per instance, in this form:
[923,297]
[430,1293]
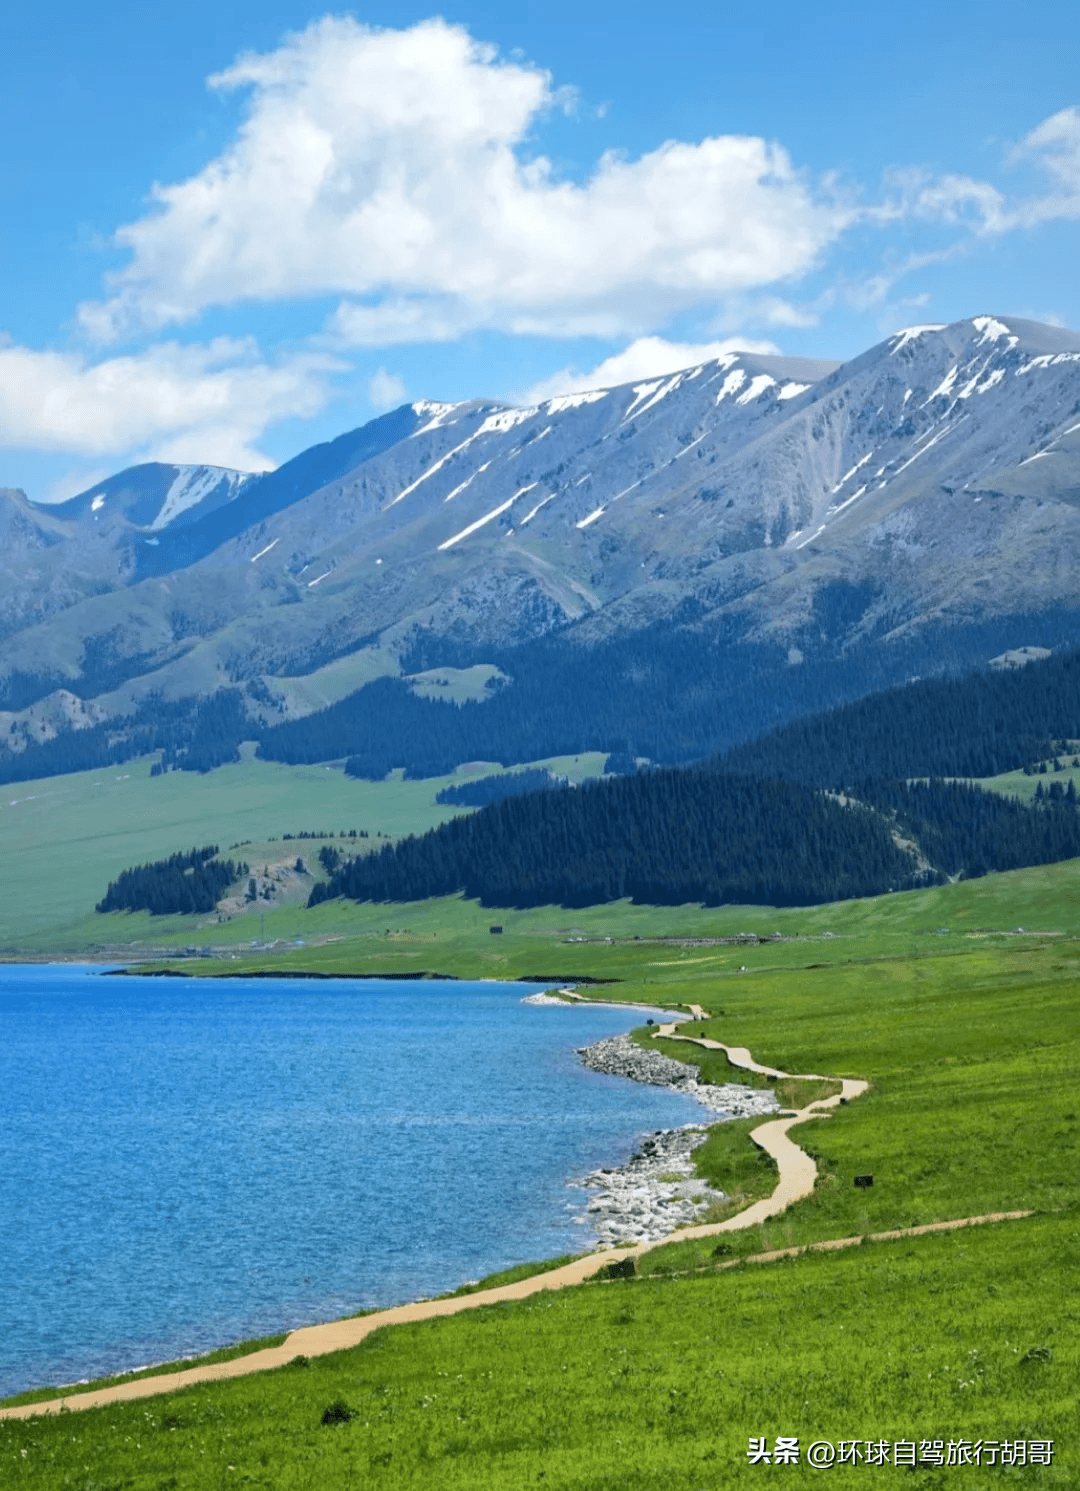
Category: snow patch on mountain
[912,334]
[731,384]
[192,485]
[973,385]
[992,331]
[757,387]
[504,420]
[431,470]
[468,480]
[642,391]
[857,467]
[945,387]
[480,522]
[839,508]
[593,516]
[661,393]
[542,503]
[1048,360]
[816,534]
[575,400]
[435,414]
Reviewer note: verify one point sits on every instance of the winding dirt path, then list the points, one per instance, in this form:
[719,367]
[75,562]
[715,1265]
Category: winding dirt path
[798,1173]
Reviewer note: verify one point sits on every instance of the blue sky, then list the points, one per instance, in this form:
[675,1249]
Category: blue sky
[227,232]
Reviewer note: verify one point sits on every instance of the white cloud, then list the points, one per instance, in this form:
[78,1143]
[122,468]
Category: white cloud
[647,357]
[956,199]
[395,171]
[771,310]
[395,166]
[207,402]
[386,390]
[1054,146]
[875,290]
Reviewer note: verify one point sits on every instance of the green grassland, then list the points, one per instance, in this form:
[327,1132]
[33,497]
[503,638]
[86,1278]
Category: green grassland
[63,839]
[1019,784]
[959,1004]
[651,951]
[456,685]
[645,1385]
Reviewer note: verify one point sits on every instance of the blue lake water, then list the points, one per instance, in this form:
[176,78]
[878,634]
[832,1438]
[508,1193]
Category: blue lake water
[185,1163]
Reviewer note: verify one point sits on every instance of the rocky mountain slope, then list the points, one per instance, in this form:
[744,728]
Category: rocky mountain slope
[934,480]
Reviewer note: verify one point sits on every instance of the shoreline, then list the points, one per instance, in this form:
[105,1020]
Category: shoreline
[657,1189]
[797,1175]
[133,970]
[629,1203]
[520,1246]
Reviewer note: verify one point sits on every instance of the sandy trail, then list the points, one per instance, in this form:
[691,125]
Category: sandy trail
[798,1173]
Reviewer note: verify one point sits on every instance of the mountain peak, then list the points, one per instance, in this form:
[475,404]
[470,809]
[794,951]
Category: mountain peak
[769,499]
[154,495]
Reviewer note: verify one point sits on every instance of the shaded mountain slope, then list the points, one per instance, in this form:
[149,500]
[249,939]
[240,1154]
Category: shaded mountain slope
[929,486]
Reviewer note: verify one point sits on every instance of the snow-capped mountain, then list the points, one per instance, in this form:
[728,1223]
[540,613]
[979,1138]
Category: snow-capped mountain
[155,496]
[935,478]
[52,556]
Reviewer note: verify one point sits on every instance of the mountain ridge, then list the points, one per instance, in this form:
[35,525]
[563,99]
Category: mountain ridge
[785,504]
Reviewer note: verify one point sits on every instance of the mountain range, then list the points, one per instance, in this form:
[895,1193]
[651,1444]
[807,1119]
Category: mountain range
[796,514]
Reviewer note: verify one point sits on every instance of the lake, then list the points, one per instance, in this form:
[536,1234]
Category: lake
[190,1162]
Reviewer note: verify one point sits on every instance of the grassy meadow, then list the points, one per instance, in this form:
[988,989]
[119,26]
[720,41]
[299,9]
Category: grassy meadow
[651,1384]
[650,951]
[63,839]
[1019,784]
[959,1004]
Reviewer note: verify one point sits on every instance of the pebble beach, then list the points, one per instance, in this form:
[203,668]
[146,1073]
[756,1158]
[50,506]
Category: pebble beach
[657,1189]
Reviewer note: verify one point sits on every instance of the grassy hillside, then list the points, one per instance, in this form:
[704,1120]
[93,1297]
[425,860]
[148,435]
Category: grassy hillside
[970,1039]
[654,1385]
[64,838]
[450,935]
[1017,784]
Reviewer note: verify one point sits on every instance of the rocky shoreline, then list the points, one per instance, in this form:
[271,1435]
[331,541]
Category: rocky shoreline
[657,1189]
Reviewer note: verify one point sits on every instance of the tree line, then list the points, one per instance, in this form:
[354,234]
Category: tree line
[963,830]
[677,835]
[490,789]
[182,885]
[675,692]
[663,837]
[978,726]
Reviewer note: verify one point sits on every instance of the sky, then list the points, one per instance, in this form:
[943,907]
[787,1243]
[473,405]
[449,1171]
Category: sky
[230,231]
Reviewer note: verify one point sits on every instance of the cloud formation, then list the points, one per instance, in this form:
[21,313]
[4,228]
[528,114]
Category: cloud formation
[394,174]
[1052,149]
[394,168]
[1054,146]
[386,390]
[202,403]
